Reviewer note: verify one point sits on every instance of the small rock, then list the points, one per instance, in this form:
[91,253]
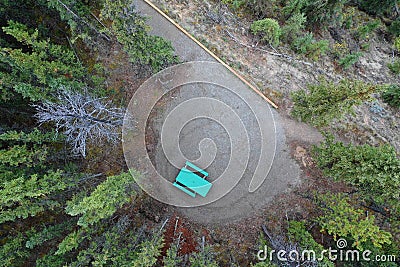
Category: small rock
[300,152]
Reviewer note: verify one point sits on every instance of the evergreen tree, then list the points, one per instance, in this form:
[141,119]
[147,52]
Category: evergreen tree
[324,102]
[375,171]
[39,69]
[27,184]
[104,200]
[131,31]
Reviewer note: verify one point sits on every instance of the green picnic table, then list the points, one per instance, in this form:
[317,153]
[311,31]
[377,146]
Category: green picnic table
[191,180]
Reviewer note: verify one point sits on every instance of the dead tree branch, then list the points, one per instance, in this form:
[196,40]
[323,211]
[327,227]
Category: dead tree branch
[83,20]
[82,118]
[266,51]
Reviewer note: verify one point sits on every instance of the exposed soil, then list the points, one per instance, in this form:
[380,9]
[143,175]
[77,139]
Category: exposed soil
[179,233]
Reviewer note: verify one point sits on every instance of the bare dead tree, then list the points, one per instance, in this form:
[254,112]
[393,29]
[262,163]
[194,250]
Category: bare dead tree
[81,117]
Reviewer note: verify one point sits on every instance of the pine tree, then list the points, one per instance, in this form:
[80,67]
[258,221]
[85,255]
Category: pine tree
[131,31]
[27,184]
[204,257]
[38,72]
[375,171]
[104,200]
[326,101]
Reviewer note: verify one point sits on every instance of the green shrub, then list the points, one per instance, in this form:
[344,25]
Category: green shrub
[204,258]
[263,244]
[395,66]
[268,29]
[340,219]
[26,176]
[12,251]
[350,60]
[327,101]
[394,28]
[73,12]
[301,44]
[51,260]
[117,246]
[261,8]
[47,233]
[71,242]
[293,7]
[308,46]
[376,7]
[264,264]
[172,258]
[318,12]
[339,50]
[375,171]
[348,17]
[236,4]
[392,95]
[397,43]
[364,31]
[293,27]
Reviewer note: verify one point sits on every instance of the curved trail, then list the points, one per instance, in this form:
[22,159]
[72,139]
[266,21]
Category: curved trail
[239,202]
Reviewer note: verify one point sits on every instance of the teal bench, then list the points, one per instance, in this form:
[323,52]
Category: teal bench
[191,180]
